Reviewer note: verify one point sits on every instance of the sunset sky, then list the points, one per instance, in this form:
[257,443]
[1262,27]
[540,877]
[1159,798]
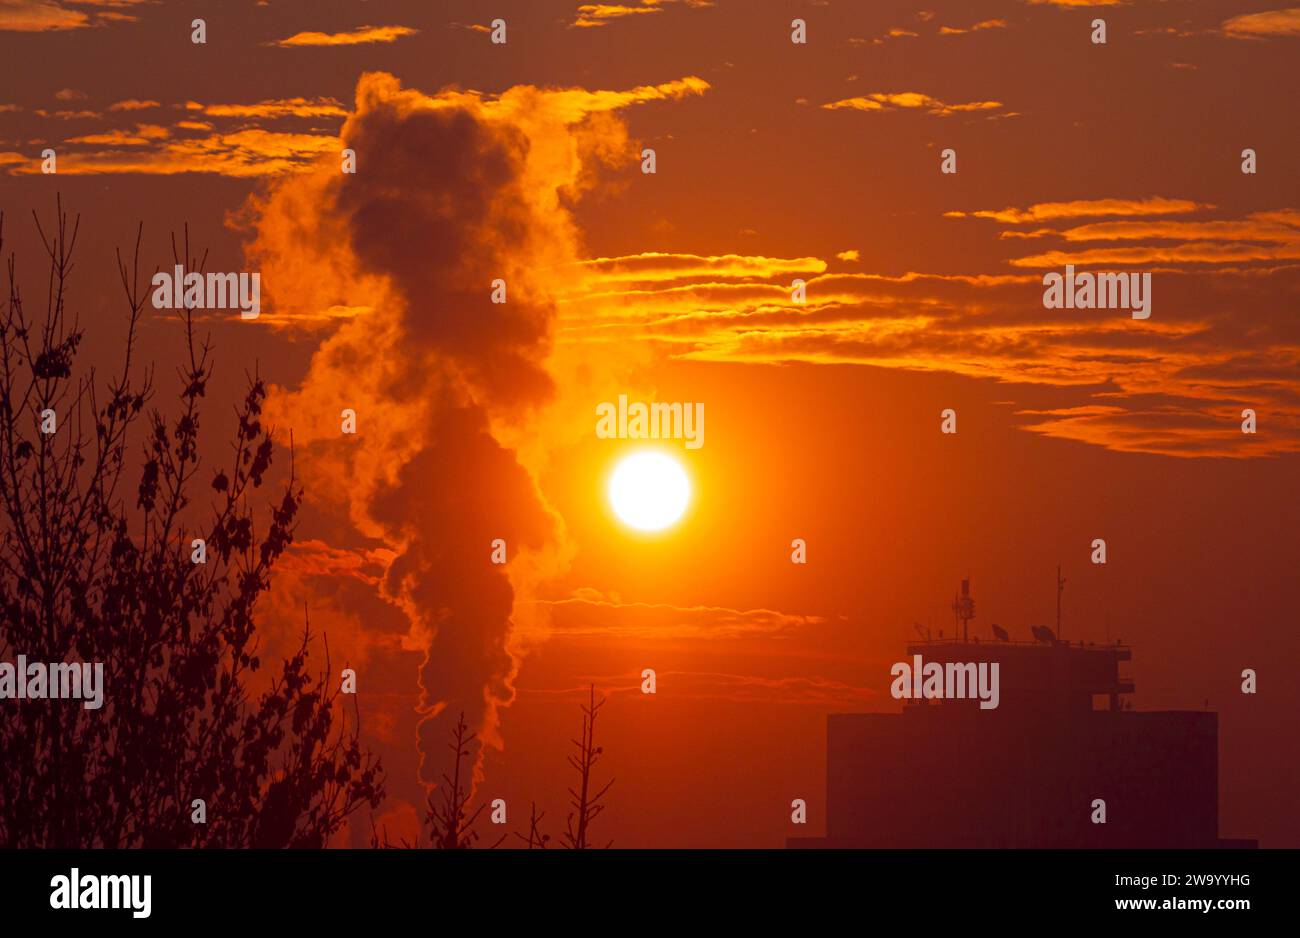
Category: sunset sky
[775,161]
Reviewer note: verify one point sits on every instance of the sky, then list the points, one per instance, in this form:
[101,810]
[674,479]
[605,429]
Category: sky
[774,161]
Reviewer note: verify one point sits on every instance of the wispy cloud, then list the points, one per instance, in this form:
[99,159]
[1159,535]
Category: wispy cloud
[909,101]
[1085,208]
[591,15]
[275,107]
[143,135]
[133,104]
[1077,3]
[245,153]
[1170,385]
[362,35]
[590,612]
[1266,25]
[35,16]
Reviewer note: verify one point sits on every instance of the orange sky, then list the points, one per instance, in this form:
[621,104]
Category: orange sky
[775,161]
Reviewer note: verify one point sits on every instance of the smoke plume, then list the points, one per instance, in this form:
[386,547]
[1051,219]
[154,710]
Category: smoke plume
[391,269]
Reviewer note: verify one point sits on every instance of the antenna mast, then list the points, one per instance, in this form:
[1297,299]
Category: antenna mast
[1060,588]
[963,609]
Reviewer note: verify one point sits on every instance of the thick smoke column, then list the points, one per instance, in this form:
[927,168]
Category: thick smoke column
[397,261]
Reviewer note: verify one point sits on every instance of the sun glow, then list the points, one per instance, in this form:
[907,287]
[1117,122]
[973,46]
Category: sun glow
[649,490]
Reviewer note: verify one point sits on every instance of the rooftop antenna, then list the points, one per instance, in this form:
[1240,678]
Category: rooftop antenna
[963,609]
[1060,588]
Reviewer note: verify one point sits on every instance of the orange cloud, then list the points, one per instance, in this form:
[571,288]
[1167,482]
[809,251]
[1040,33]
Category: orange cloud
[1078,3]
[1085,208]
[1200,252]
[591,15]
[143,135]
[68,115]
[34,16]
[589,612]
[657,267]
[133,104]
[909,100]
[977,27]
[1263,25]
[1280,227]
[1261,236]
[1188,363]
[1157,430]
[247,153]
[278,107]
[359,36]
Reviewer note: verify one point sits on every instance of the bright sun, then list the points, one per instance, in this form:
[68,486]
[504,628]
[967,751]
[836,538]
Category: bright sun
[649,490]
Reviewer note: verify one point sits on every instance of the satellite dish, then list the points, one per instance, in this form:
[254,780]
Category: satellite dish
[1000,633]
[1043,634]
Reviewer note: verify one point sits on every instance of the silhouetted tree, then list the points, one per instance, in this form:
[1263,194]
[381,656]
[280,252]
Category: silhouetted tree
[535,839]
[451,823]
[587,806]
[92,572]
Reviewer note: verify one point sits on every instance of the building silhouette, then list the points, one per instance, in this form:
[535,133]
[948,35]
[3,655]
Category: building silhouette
[945,773]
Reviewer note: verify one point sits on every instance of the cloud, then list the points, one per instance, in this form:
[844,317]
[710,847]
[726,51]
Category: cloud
[1077,3]
[1159,430]
[245,151]
[591,15]
[143,135]
[654,266]
[1261,236]
[1085,208]
[909,100]
[849,255]
[591,613]
[275,107]
[1200,252]
[317,558]
[133,104]
[1196,361]
[1266,25]
[359,36]
[974,28]
[252,150]
[243,154]
[33,16]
